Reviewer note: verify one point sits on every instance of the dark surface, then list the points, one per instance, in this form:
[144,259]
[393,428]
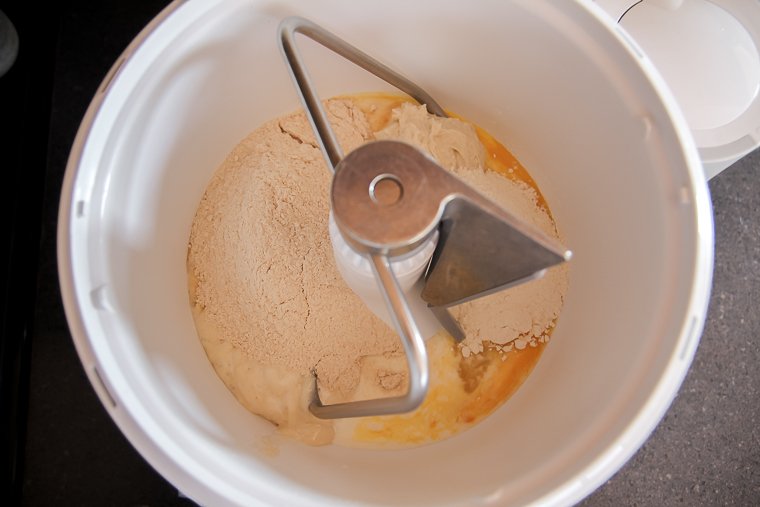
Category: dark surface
[25,97]
[705,452]
[74,454]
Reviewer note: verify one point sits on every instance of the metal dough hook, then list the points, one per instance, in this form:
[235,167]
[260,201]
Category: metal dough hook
[481,248]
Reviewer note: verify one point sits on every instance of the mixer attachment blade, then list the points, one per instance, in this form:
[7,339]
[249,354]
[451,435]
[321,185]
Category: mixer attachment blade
[481,247]
[480,252]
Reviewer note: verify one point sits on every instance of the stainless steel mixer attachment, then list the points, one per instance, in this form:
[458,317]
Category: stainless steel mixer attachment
[388,198]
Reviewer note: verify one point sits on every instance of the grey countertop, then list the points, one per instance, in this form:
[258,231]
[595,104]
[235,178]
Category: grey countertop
[706,451]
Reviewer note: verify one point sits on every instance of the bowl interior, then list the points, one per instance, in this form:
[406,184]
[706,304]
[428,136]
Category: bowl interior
[549,80]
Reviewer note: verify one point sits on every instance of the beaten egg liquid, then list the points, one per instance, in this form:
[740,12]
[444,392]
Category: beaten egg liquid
[462,391]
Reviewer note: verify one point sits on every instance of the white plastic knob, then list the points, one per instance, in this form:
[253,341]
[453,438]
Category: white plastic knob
[408,269]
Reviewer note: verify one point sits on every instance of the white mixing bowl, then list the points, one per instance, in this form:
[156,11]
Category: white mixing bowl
[555,81]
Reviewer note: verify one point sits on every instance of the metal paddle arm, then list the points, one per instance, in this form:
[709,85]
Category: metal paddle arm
[474,232]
